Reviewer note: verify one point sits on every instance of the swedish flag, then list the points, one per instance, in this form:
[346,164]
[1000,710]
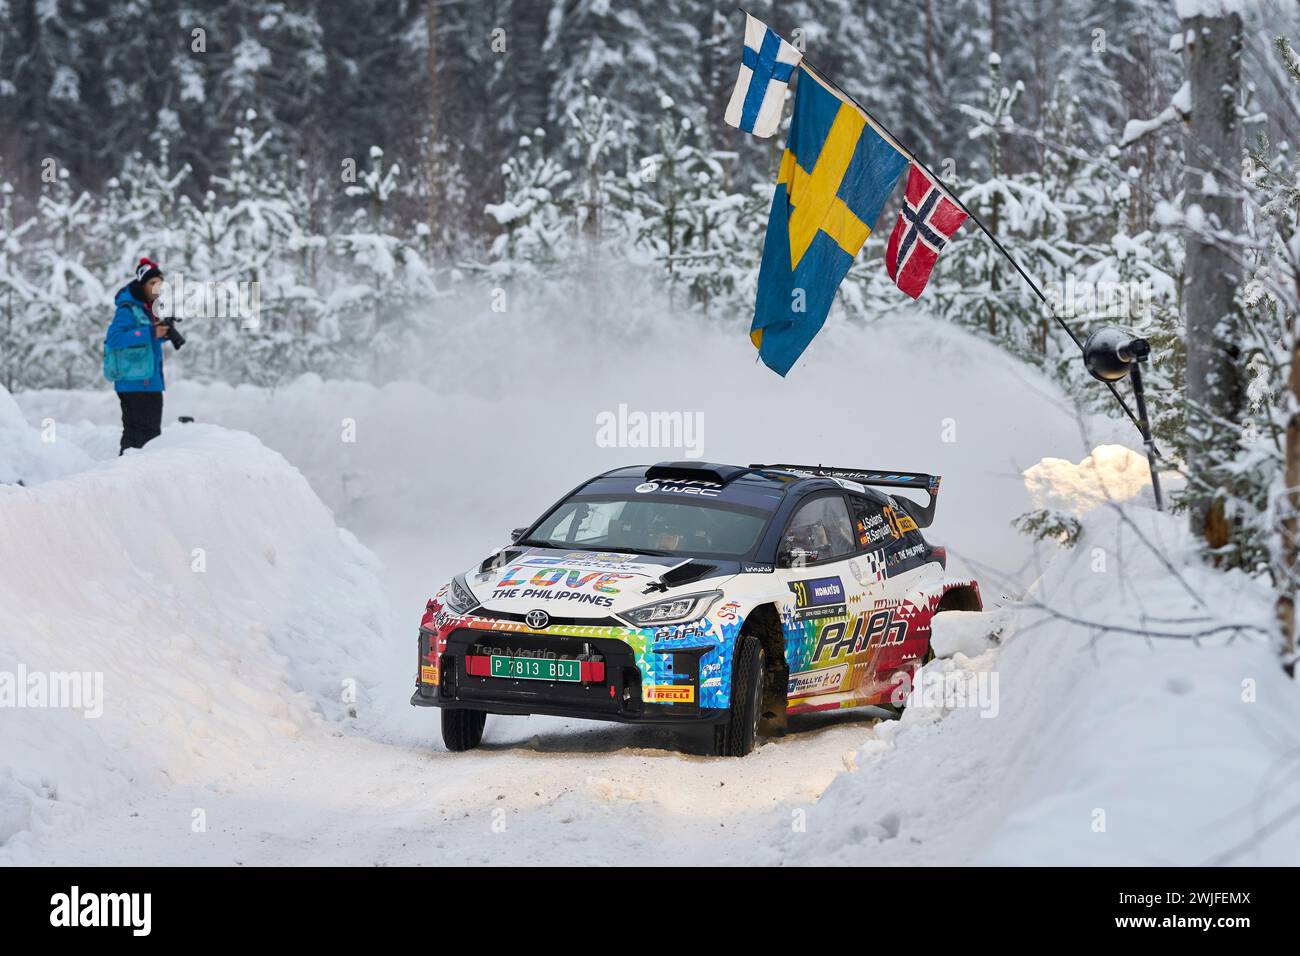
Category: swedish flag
[835,176]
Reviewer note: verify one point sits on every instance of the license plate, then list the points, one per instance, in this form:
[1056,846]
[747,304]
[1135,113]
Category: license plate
[534,668]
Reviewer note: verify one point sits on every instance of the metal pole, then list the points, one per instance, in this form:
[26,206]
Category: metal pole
[816,74]
[1144,424]
[911,157]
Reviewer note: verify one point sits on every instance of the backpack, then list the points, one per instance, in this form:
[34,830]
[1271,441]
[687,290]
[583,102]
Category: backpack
[132,362]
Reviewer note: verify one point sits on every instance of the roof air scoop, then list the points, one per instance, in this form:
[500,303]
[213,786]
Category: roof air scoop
[694,471]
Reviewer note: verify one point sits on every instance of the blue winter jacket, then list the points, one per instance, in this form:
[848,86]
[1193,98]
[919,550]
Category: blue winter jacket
[131,325]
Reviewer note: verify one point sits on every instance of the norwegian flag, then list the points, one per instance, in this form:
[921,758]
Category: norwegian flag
[925,225]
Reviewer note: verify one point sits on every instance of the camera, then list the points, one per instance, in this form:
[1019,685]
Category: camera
[173,334]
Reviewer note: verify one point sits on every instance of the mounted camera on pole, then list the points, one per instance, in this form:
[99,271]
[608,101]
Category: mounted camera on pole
[1112,353]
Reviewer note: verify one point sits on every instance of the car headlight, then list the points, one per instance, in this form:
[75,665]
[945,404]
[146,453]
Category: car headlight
[459,598]
[677,610]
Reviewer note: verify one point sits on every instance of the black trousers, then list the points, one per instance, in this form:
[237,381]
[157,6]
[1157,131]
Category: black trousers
[141,418]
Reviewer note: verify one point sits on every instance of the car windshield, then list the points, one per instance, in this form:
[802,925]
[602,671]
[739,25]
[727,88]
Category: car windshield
[646,525]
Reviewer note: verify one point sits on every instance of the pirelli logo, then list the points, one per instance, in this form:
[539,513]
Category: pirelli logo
[669,694]
[428,674]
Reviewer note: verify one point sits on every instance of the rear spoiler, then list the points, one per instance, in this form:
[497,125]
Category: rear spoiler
[923,515]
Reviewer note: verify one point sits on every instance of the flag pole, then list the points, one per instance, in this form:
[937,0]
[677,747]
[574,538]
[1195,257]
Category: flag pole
[821,77]
[808,67]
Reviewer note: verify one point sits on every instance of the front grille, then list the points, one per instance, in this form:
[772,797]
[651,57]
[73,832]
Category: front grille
[619,692]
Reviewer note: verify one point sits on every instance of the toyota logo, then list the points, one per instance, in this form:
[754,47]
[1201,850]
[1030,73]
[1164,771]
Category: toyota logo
[537,620]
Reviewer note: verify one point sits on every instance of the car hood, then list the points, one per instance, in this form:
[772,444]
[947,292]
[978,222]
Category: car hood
[586,584]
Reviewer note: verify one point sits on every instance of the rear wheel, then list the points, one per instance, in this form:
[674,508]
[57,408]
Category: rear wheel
[737,736]
[462,729]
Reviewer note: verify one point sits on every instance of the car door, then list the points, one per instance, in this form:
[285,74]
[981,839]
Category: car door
[879,628]
[814,557]
[889,646]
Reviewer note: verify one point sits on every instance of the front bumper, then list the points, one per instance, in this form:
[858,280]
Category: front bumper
[614,693]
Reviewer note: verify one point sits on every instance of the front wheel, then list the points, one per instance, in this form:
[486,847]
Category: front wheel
[737,736]
[462,729]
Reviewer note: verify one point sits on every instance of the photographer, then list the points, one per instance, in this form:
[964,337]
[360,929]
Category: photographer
[133,355]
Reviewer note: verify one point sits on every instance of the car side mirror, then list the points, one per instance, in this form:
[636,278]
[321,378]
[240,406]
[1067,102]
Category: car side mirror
[517,533]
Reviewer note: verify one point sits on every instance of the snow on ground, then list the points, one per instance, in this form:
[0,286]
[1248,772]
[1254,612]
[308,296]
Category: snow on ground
[1103,748]
[204,606]
[1111,473]
[28,454]
[432,474]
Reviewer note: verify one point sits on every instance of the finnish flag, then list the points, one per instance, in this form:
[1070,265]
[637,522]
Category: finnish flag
[766,65]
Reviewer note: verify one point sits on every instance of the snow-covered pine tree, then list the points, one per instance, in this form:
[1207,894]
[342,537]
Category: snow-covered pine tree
[1271,311]
[65,306]
[592,137]
[15,289]
[678,199]
[391,282]
[983,292]
[535,216]
[241,227]
[615,48]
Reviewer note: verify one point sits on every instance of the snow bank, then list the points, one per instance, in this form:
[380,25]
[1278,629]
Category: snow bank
[1103,747]
[29,455]
[196,605]
[1112,473]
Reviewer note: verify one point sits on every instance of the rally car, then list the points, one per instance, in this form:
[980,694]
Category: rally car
[692,593]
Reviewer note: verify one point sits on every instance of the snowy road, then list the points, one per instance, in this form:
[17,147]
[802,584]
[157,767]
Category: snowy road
[540,789]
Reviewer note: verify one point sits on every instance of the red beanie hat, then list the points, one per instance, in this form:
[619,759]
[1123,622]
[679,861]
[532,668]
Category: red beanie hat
[147,269]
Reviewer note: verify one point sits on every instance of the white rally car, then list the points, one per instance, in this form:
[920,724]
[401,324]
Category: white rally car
[695,593]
